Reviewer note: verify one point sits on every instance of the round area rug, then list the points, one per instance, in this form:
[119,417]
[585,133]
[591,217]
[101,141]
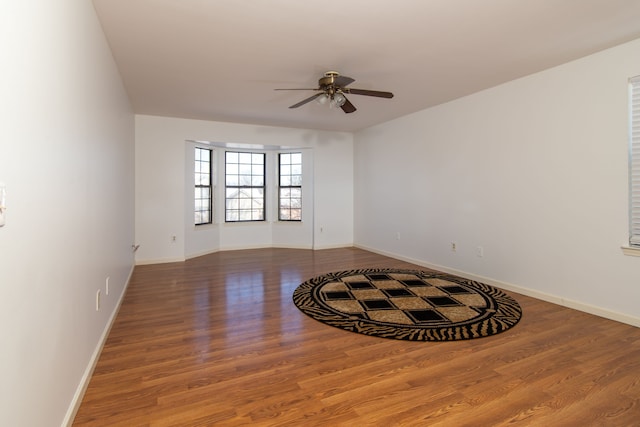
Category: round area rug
[407,304]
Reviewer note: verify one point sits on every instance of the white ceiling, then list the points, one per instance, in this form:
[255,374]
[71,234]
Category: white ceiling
[221,59]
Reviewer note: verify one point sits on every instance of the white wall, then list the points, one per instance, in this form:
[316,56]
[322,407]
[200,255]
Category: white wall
[66,157]
[164,189]
[534,171]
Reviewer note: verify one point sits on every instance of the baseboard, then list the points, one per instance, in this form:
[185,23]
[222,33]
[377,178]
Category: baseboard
[244,248]
[555,299]
[237,248]
[203,253]
[305,247]
[86,377]
[340,246]
[159,261]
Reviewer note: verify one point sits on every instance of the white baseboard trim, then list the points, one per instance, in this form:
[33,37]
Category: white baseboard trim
[237,248]
[305,247]
[88,372]
[199,254]
[159,261]
[569,303]
[203,253]
[244,248]
[323,247]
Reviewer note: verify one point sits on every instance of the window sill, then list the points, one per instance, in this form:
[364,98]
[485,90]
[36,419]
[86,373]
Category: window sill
[630,251]
[204,227]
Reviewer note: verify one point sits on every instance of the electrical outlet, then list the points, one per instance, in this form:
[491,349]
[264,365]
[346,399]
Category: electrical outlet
[98,300]
[397,235]
[453,246]
[480,251]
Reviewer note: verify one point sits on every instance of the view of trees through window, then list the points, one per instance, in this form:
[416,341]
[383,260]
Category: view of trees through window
[245,186]
[203,193]
[245,177]
[290,187]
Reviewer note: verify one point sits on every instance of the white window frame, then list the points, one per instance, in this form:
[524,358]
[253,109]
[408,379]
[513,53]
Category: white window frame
[249,189]
[289,181]
[198,186]
[634,162]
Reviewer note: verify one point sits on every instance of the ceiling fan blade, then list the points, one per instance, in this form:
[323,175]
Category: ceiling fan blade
[298,89]
[348,107]
[309,99]
[342,81]
[377,93]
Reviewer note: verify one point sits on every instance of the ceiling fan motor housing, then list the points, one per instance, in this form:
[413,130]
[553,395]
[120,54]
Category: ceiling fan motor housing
[328,82]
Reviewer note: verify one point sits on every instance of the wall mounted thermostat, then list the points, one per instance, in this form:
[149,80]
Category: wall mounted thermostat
[3,206]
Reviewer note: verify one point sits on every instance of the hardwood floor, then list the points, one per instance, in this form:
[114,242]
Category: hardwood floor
[217,340]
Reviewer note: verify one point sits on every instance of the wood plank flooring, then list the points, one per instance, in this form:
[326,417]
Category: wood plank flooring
[217,340]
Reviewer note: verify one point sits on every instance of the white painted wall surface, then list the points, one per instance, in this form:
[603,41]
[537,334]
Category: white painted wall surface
[163,189]
[533,171]
[334,190]
[66,157]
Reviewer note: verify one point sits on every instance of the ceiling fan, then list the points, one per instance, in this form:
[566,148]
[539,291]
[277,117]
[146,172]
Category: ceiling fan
[332,89]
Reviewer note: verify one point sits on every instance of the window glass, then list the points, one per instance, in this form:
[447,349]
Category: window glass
[245,186]
[634,162]
[203,201]
[290,187]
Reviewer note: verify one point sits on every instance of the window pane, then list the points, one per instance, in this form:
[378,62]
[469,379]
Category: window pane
[203,187]
[256,204]
[290,182]
[634,163]
[257,170]
[231,157]
[244,204]
[245,186]
[258,158]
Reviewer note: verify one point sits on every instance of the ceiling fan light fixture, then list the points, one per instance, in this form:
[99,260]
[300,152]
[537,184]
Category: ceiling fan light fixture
[339,99]
[322,100]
